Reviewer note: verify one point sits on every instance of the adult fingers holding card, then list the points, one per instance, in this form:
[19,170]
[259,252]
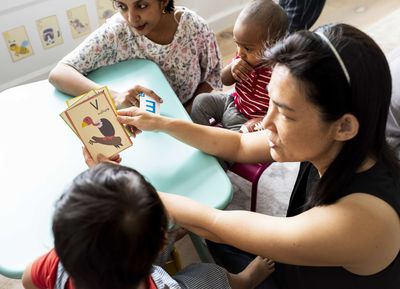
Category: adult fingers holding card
[139,119]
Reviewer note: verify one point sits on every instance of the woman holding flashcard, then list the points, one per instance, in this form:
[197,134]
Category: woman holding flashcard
[342,228]
[175,38]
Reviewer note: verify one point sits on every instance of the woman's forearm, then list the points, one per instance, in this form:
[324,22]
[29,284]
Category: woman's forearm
[242,229]
[211,140]
[68,80]
[223,143]
[196,219]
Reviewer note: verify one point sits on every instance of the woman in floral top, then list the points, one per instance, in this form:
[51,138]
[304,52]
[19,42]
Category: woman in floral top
[177,39]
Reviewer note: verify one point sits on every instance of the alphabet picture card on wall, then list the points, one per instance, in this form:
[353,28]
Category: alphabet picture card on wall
[49,31]
[105,9]
[18,43]
[78,21]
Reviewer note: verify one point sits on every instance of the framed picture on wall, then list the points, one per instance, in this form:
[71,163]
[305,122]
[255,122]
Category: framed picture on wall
[18,43]
[49,32]
[78,21]
[105,9]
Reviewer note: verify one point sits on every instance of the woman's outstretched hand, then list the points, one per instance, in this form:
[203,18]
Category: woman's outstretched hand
[137,120]
[131,96]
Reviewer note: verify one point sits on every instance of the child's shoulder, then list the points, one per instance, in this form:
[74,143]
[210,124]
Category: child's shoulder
[162,279]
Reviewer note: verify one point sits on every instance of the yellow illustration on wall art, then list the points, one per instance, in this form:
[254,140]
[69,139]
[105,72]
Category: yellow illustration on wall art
[18,43]
[49,31]
[78,21]
[105,9]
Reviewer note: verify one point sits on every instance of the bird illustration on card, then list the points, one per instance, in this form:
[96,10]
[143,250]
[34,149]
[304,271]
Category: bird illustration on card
[93,118]
[106,129]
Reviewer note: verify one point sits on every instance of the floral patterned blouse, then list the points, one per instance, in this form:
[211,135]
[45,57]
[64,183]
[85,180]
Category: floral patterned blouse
[191,58]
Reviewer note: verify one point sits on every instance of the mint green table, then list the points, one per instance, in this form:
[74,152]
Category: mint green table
[40,155]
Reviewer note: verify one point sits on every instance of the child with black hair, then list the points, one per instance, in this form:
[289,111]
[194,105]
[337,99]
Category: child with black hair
[259,25]
[109,227]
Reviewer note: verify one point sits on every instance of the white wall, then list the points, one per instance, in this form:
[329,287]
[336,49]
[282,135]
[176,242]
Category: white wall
[220,14]
[26,14]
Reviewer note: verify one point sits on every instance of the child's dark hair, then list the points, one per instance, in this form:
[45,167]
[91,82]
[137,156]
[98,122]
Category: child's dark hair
[109,227]
[269,17]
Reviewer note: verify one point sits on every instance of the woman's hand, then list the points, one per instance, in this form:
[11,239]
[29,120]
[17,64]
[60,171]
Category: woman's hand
[115,159]
[131,96]
[137,120]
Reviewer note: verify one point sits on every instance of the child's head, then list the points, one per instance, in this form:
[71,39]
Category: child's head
[109,227]
[259,25]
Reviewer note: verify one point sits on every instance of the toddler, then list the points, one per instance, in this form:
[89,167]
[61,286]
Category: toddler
[259,25]
[109,227]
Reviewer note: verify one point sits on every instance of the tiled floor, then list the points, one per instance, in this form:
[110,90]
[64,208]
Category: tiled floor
[361,13]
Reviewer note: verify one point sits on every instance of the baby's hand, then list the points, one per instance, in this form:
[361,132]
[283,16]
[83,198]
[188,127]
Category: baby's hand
[240,69]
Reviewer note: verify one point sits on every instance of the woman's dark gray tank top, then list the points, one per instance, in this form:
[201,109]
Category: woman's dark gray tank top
[376,181]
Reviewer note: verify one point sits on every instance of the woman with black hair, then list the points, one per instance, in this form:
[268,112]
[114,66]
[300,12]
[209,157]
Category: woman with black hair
[330,93]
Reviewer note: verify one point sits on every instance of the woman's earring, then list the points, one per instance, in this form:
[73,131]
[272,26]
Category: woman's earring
[163,11]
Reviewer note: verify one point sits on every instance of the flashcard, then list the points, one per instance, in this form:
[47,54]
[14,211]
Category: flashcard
[76,100]
[49,32]
[148,103]
[65,118]
[73,101]
[93,119]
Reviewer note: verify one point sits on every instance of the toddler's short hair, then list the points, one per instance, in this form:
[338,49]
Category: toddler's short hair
[109,227]
[271,19]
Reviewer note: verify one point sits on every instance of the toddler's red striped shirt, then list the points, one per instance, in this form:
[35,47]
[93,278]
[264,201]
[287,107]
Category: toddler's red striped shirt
[251,97]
